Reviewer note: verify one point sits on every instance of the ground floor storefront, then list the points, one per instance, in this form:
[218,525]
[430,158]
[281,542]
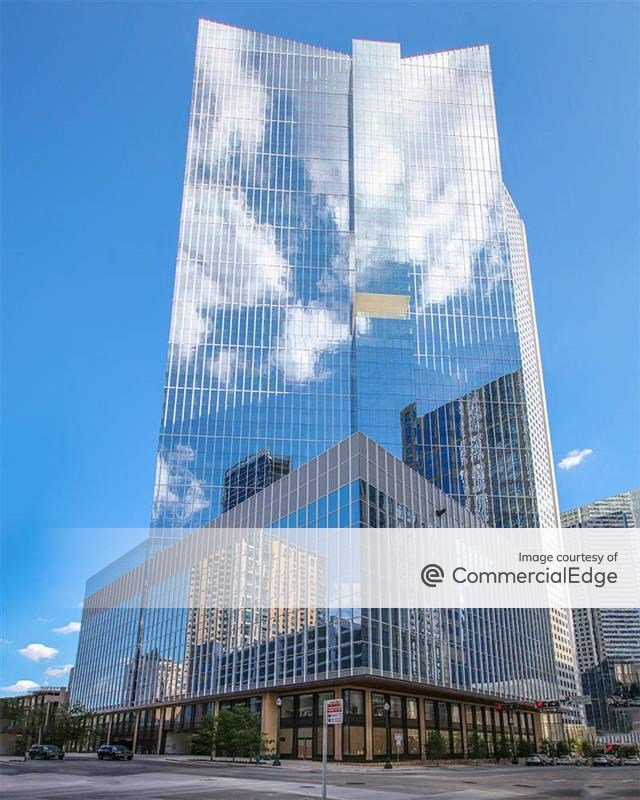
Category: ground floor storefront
[382,718]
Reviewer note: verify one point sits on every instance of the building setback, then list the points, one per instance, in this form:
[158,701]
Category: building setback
[347,249]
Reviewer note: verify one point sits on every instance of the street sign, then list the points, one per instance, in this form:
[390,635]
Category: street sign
[333,715]
[579,700]
[398,740]
[335,712]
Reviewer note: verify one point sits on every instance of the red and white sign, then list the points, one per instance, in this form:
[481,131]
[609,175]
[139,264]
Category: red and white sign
[335,712]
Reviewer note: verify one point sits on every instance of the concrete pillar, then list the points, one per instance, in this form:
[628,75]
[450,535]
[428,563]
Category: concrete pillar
[136,722]
[463,727]
[337,733]
[270,717]
[160,730]
[368,728]
[537,730]
[422,722]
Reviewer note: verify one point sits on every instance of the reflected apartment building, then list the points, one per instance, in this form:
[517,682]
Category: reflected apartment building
[347,251]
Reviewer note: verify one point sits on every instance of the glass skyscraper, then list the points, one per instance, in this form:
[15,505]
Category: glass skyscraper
[347,251]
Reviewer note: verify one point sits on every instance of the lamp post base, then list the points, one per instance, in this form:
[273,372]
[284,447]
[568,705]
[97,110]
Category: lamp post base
[387,764]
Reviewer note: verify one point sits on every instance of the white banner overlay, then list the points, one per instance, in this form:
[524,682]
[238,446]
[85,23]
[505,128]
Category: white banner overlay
[300,568]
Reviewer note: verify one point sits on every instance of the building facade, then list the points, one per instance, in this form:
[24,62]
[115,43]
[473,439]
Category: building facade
[608,639]
[300,533]
[347,249]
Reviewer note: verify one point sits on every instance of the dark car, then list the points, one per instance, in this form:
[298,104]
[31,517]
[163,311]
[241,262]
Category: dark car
[114,752]
[46,751]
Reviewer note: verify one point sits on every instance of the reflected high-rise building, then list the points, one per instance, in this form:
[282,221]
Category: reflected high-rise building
[347,248]
[475,449]
[250,476]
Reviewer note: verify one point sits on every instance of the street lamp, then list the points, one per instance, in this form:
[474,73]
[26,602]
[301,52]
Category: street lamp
[276,760]
[387,709]
[514,755]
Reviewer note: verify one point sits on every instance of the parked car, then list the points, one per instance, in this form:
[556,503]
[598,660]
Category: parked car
[114,752]
[46,751]
[631,761]
[539,760]
[567,761]
[602,760]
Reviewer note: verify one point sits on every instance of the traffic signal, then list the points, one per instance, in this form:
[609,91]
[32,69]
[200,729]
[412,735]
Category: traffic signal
[548,704]
[499,706]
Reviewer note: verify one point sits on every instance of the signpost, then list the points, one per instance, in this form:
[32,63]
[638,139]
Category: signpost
[333,715]
[398,741]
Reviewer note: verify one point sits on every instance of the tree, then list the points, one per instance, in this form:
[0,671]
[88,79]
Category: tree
[205,739]
[548,747]
[476,746]
[562,749]
[585,748]
[436,746]
[524,748]
[233,733]
[503,749]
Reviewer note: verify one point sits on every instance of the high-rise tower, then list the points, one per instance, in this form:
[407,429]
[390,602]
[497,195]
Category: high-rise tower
[348,250]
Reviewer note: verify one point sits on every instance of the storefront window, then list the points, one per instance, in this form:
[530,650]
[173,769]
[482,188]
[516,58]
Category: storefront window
[379,714]
[430,713]
[379,741]
[413,741]
[305,706]
[286,710]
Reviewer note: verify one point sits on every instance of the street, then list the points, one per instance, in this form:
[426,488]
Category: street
[162,778]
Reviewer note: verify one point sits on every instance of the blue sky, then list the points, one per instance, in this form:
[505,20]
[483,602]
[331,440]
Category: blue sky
[95,103]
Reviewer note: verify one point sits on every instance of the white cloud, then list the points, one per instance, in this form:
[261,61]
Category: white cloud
[21,686]
[58,672]
[38,652]
[178,491]
[574,458]
[307,333]
[70,627]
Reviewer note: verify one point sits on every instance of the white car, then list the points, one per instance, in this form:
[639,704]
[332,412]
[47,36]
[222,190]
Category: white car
[631,761]
[567,761]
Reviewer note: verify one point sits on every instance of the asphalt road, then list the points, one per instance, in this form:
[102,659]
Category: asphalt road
[161,779]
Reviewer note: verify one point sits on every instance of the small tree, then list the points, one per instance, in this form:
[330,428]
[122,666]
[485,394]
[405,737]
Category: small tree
[238,733]
[68,724]
[436,746]
[503,749]
[524,748]
[205,739]
[562,749]
[586,748]
[548,747]
[476,746]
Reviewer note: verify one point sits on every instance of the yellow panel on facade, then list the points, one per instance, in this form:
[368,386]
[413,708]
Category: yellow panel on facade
[391,306]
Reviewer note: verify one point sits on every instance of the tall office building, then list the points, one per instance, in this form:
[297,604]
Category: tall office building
[620,511]
[608,639]
[347,248]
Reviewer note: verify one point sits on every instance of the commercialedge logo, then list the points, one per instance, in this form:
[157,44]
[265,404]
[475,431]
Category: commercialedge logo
[433,574]
[566,575]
